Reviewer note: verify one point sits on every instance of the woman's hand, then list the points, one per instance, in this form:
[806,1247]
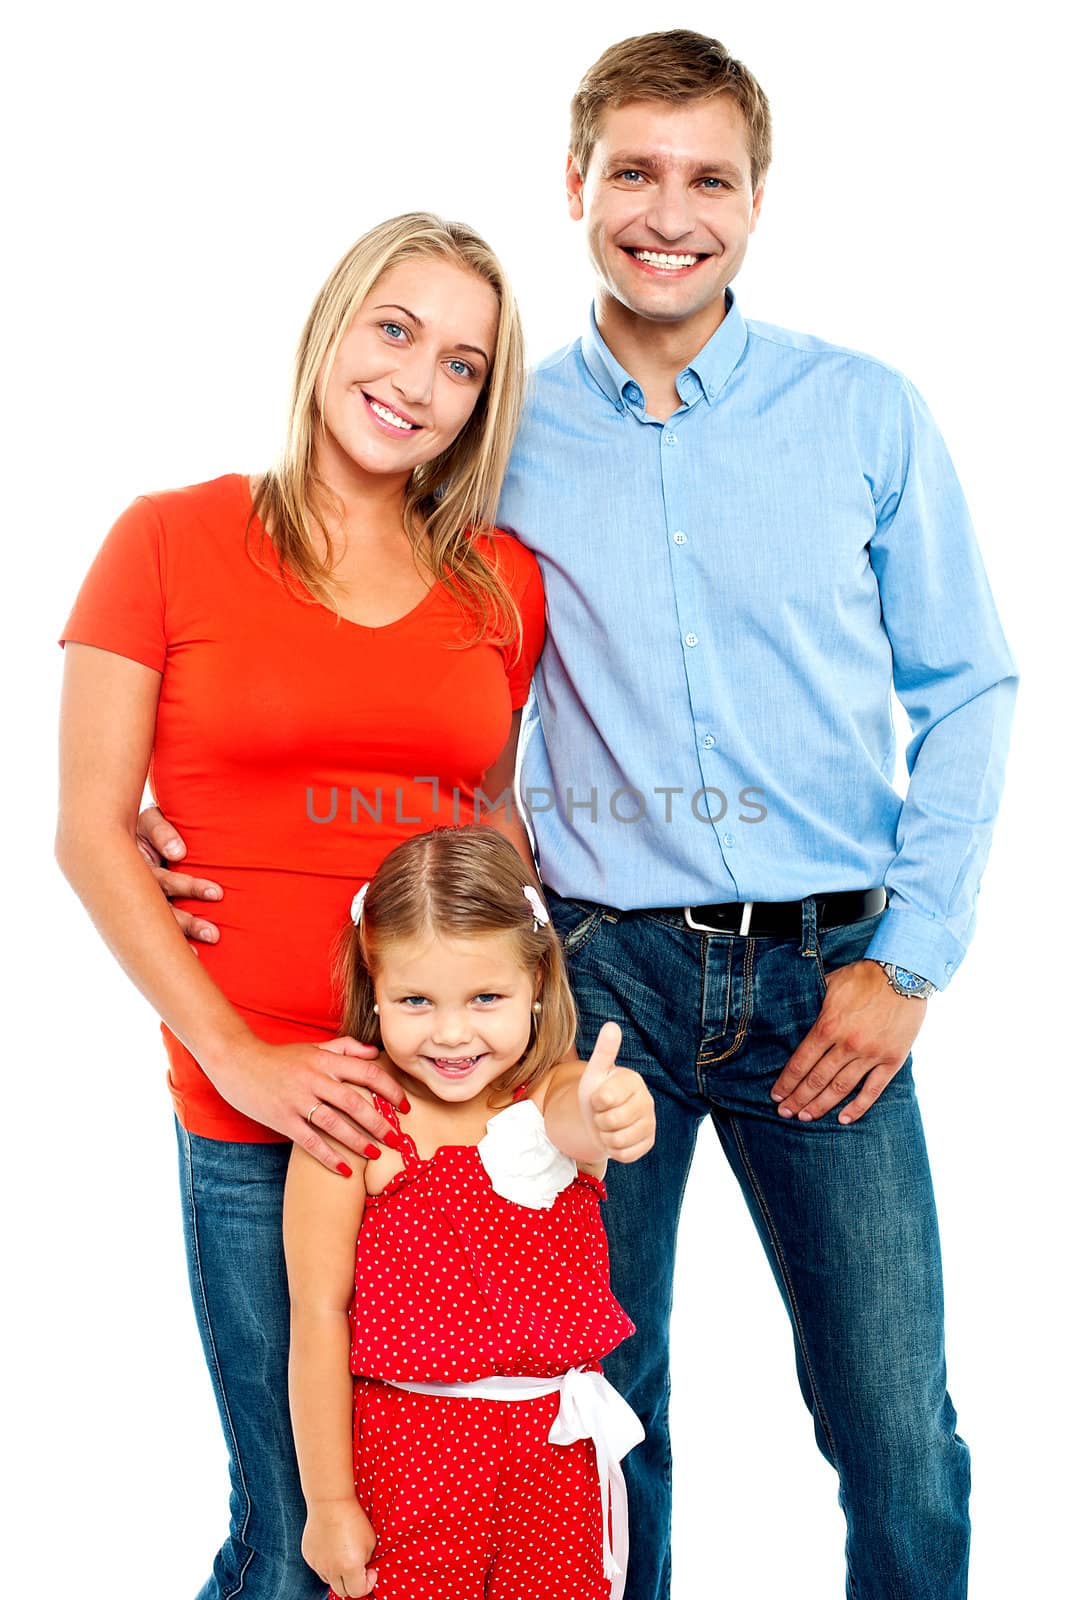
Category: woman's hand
[278,1084]
[338,1542]
[615,1102]
[159,843]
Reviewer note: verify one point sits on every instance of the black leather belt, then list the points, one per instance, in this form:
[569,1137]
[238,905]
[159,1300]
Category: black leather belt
[782,919]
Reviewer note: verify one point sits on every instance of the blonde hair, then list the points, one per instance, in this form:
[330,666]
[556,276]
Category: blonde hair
[678,67]
[463,883]
[450,500]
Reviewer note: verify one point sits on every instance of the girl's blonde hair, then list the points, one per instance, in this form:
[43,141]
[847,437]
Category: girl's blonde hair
[462,883]
[451,499]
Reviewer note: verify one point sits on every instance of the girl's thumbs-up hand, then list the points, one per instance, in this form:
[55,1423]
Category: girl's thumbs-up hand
[615,1102]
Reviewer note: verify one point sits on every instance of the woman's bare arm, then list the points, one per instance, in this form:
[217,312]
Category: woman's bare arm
[498,785]
[107,727]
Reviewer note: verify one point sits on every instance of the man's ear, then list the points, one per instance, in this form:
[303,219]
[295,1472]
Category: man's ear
[574,188]
[756,206]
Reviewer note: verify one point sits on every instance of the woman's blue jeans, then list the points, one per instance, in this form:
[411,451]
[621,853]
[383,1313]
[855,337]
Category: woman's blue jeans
[231,1196]
[846,1216]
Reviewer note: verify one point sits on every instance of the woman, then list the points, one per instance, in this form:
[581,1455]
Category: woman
[303,663]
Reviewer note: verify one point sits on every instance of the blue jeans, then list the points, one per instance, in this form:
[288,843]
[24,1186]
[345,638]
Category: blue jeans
[231,1198]
[846,1217]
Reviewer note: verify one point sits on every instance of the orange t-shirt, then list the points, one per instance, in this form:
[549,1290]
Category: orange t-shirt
[292,750]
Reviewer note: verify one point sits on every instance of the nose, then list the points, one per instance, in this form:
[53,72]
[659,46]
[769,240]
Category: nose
[670,213]
[451,1028]
[413,380]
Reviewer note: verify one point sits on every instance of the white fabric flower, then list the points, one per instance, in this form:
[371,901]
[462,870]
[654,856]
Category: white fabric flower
[520,1159]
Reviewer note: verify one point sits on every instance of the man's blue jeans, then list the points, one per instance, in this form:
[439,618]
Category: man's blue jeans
[845,1214]
[231,1197]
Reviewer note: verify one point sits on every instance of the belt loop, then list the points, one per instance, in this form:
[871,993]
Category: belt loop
[809,926]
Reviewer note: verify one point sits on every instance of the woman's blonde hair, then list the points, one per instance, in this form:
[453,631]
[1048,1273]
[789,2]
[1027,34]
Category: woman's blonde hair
[463,883]
[451,499]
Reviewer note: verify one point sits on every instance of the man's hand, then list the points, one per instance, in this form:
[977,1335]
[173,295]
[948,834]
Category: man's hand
[615,1102]
[158,843]
[865,1030]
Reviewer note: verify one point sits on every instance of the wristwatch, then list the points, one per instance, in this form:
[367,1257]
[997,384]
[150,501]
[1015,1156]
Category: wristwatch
[907,983]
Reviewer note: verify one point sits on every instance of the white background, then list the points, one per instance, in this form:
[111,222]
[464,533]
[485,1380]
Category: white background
[182,179]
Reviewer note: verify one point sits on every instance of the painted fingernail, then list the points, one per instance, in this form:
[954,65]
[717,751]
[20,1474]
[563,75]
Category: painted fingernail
[344,1169]
[404,1105]
[372,1152]
[393,1141]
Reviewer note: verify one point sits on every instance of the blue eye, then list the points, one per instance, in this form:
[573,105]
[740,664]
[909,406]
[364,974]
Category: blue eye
[417,1001]
[487,998]
[464,368]
[716,181]
[393,330]
[630,172]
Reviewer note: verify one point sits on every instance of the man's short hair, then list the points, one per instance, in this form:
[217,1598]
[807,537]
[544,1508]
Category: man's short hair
[677,67]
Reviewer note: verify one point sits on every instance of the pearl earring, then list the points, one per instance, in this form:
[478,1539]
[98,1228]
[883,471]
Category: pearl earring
[377,1011]
[537,1008]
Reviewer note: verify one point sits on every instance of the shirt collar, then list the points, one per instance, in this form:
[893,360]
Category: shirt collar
[711,367]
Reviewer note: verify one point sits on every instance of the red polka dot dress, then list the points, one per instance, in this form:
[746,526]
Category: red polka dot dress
[455,1282]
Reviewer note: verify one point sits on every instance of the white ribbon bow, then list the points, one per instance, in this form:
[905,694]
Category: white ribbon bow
[589,1407]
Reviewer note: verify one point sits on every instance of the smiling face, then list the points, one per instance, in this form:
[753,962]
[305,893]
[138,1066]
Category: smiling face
[455,1013]
[668,206]
[408,372]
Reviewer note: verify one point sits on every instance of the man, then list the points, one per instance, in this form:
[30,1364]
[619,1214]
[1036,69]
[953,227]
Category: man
[744,534]
[746,537]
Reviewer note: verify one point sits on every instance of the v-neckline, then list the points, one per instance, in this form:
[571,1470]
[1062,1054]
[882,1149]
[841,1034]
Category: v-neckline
[311,599]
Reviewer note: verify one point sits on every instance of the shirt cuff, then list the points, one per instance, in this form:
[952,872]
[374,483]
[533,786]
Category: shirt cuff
[917,944]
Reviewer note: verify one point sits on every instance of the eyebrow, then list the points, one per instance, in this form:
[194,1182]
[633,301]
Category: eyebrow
[713,169]
[474,349]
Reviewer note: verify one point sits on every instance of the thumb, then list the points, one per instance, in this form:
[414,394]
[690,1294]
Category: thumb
[604,1057]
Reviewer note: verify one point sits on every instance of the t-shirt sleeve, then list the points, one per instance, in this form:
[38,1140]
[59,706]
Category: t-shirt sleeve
[523,578]
[121,604]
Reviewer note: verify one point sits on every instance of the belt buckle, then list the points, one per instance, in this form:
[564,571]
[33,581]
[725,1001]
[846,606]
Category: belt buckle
[704,927]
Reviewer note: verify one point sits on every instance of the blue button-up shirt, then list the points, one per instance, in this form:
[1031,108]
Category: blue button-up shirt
[731,595]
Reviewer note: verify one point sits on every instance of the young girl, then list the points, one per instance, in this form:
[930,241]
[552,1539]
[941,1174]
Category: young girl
[477,1307]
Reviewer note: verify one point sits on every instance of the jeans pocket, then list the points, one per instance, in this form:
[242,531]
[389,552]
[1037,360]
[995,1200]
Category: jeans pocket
[840,947]
[575,921]
[579,937]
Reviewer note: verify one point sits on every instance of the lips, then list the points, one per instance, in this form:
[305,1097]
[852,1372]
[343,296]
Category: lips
[665,263]
[454,1066]
[390,418]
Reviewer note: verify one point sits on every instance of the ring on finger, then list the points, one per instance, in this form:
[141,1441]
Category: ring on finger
[310,1113]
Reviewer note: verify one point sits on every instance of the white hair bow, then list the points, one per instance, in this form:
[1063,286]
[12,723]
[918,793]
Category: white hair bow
[539,910]
[358,903]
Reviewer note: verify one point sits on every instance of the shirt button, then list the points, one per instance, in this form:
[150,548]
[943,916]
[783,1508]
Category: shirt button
[680,538]
[670,438]
[728,838]
[691,640]
[708,741]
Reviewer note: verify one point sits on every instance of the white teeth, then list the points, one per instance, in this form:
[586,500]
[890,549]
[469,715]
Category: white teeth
[655,258]
[390,416]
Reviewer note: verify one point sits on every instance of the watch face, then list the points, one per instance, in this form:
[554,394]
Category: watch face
[908,980]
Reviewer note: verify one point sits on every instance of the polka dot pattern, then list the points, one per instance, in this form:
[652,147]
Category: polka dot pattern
[453,1282]
[467,1497]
